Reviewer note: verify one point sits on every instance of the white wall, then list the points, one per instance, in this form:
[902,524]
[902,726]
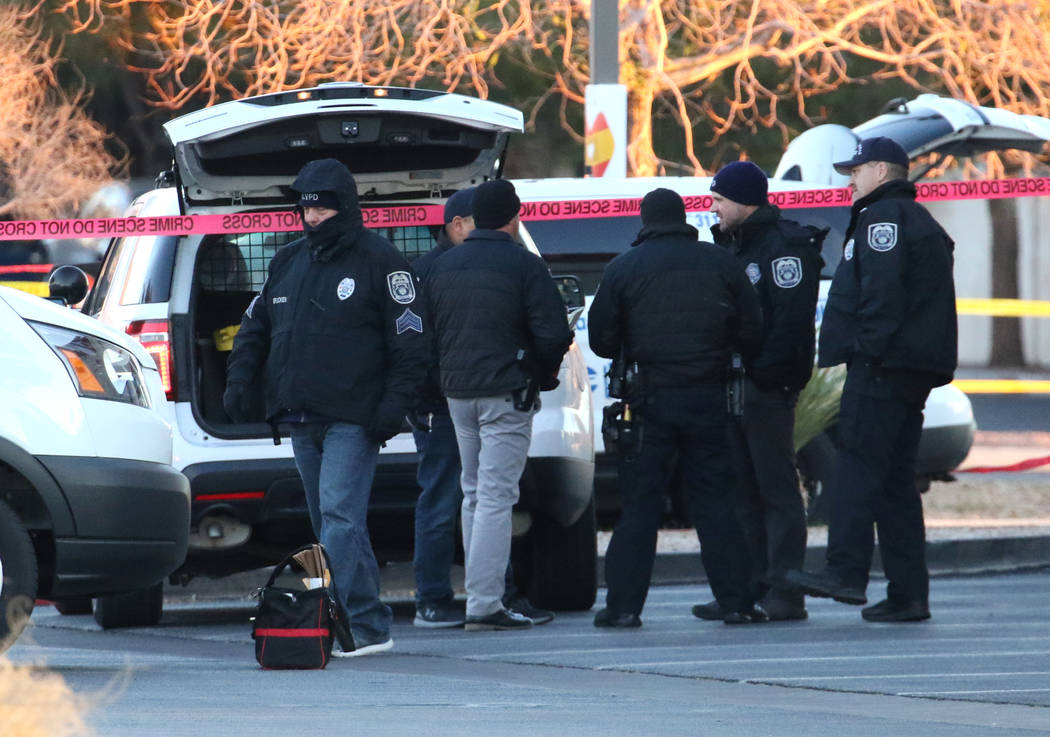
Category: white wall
[968,222]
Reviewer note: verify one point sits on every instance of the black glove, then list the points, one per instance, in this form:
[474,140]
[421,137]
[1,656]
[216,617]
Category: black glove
[549,383]
[237,400]
[384,425]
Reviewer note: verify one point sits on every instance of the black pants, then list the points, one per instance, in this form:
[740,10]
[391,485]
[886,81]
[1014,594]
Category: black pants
[769,497]
[880,421]
[690,425]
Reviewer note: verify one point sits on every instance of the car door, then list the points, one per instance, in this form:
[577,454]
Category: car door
[929,124]
[398,142]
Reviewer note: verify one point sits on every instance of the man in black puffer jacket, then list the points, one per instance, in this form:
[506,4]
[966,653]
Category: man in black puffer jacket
[782,260]
[678,308]
[336,336]
[501,328]
[890,317]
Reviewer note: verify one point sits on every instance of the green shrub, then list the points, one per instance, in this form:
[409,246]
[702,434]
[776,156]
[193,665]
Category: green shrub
[818,403]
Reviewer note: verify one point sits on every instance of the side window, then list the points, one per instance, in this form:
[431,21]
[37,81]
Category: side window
[140,266]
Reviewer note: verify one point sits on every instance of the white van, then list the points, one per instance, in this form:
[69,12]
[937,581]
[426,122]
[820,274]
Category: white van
[90,505]
[183,297]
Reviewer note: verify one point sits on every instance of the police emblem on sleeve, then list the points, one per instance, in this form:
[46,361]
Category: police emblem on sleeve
[882,236]
[408,321]
[787,271]
[402,287]
[753,272]
[847,252]
[345,288]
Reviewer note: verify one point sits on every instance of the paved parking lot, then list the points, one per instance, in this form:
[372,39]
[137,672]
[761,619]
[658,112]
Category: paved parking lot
[980,666]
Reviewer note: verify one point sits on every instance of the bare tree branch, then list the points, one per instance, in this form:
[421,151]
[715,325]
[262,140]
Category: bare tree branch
[52,155]
[671,51]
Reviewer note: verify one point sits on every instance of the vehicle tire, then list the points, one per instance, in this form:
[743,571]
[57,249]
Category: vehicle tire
[18,574]
[79,605]
[139,608]
[816,468]
[562,568]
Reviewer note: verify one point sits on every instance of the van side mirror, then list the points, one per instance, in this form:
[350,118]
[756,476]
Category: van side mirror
[67,285]
[571,291]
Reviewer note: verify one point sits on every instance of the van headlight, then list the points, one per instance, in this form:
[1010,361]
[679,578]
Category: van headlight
[99,369]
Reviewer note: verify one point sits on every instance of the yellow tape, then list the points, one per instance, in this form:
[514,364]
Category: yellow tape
[39,288]
[1004,307]
[1002,386]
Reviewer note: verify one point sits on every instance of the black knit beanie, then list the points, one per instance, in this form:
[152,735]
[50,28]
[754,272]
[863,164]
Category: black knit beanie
[495,204]
[662,207]
[743,183]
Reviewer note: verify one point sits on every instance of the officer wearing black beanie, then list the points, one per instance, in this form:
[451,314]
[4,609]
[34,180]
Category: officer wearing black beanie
[782,260]
[501,335]
[678,308]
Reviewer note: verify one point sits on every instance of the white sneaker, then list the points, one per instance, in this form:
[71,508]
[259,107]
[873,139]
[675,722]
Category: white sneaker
[375,647]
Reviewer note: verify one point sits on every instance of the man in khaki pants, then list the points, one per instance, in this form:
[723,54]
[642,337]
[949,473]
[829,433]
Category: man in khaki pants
[501,334]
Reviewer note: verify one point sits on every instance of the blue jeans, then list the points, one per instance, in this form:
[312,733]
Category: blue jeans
[436,510]
[337,463]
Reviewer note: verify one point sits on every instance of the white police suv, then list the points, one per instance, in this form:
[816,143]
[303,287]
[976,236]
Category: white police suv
[90,505]
[183,296]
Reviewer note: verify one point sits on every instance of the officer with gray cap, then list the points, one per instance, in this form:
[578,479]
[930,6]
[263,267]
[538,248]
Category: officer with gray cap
[890,317]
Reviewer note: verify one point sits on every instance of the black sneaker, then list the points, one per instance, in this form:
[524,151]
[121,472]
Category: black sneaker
[503,619]
[889,610]
[825,583]
[710,612]
[609,618]
[441,614]
[524,607]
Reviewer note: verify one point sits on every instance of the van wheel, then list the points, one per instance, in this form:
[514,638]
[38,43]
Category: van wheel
[139,608]
[562,566]
[79,605]
[17,577]
[816,467]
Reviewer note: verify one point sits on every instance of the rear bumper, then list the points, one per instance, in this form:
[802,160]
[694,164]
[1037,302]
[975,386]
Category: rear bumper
[131,521]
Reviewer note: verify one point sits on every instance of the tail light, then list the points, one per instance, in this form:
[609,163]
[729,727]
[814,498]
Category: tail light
[156,339]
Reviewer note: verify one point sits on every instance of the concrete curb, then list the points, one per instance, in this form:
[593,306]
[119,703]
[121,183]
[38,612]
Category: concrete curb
[944,557]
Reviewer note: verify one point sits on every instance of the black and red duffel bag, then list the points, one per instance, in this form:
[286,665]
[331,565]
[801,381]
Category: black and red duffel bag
[294,626]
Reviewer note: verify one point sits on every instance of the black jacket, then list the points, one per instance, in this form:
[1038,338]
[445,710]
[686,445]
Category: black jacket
[431,399]
[489,298]
[679,307]
[892,300]
[782,260]
[337,329]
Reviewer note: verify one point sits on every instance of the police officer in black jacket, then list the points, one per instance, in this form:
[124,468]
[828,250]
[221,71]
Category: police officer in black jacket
[678,308]
[502,332]
[782,260]
[890,317]
[336,338]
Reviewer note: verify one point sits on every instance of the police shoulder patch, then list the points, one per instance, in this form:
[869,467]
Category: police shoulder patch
[753,272]
[408,321]
[402,287]
[787,271]
[847,252]
[882,236]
